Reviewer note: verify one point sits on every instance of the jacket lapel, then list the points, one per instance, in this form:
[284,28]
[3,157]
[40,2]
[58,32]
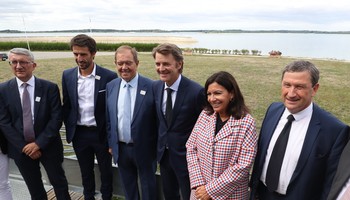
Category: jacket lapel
[15,98]
[98,78]
[37,97]
[310,138]
[140,95]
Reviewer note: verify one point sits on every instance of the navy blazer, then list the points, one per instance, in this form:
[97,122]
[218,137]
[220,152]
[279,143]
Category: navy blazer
[143,124]
[342,175]
[3,143]
[323,144]
[188,105]
[70,100]
[47,117]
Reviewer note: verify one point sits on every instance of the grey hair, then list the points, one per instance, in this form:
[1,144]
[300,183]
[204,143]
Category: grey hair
[22,51]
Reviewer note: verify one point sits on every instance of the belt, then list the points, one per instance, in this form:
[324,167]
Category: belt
[126,144]
[87,127]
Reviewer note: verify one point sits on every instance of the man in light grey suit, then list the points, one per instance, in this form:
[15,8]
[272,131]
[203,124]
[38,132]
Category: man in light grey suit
[132,138]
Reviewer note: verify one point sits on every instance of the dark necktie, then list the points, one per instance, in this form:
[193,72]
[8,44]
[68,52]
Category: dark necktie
[276,159]
[169,106]
[28,129]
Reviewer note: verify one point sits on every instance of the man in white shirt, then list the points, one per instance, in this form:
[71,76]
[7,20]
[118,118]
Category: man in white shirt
[312,151]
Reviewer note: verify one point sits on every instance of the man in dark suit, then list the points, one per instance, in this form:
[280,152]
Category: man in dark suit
[131,126]
[316,140]
[341,182]
[186,99]
[37,141]
[84,91]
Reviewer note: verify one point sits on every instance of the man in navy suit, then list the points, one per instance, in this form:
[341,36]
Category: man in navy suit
[84,91]
[315,142]
[131,126]
[187,99]
[43,144]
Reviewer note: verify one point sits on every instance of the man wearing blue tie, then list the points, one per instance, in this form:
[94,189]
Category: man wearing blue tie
[131,126]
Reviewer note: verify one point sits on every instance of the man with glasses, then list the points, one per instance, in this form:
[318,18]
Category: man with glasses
[30,119]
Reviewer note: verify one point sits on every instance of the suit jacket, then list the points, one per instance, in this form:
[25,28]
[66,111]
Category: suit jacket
[3,143]
[143,124]
[188,105]
[324,141]
[222,162]
[342,175]
[47,117]
[70,100]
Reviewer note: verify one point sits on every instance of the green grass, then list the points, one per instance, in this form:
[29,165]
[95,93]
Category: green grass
[259,77]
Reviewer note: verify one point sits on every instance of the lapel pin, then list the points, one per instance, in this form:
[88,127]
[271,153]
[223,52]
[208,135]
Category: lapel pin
[37,99]
[97,77]
[142,92]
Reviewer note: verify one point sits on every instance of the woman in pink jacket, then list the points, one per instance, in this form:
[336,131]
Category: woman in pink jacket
[223,143]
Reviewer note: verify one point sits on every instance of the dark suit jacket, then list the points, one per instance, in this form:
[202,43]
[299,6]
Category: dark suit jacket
[323,144]
[70,100]
[188,105]
[3,143]
[342,175]
[143,125]
[47,117]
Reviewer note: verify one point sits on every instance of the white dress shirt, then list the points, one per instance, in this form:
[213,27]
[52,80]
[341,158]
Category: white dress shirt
[122,91]
[294,146]
[86,99]
[31,89]
[175,88]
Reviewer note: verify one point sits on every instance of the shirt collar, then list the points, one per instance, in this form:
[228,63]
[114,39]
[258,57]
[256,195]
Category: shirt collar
[301,114]
[30,82]
[132,82]
[175,85]
[93,73]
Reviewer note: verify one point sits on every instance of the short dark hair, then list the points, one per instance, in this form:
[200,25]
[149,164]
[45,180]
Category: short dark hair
[236,107]
[302,66]
[83,40]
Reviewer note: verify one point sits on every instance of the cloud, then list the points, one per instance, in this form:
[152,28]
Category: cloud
[172,15]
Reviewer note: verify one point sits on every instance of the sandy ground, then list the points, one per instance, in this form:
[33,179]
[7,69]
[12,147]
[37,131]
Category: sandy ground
[110,39]
[62,54]
[101,39]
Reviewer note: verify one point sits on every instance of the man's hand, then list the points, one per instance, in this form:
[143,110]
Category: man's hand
[32,150]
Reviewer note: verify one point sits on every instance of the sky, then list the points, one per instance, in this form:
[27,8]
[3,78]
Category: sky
[49,15]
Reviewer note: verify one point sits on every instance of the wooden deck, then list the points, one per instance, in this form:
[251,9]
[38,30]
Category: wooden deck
[74,195]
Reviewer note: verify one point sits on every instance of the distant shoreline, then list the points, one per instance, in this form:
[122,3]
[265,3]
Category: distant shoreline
[107,39]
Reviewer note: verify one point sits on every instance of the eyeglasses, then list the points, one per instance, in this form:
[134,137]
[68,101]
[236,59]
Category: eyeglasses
[21,63]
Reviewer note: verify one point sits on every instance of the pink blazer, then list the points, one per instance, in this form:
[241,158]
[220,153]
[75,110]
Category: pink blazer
[222,162]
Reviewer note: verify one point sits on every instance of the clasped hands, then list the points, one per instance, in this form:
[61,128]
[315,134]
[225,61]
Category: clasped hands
[32,150]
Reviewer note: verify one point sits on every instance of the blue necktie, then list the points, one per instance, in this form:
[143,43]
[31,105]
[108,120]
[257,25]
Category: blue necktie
[28,129]
[127,115]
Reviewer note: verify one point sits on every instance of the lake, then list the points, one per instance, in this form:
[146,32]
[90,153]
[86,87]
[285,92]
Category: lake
[307,45]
